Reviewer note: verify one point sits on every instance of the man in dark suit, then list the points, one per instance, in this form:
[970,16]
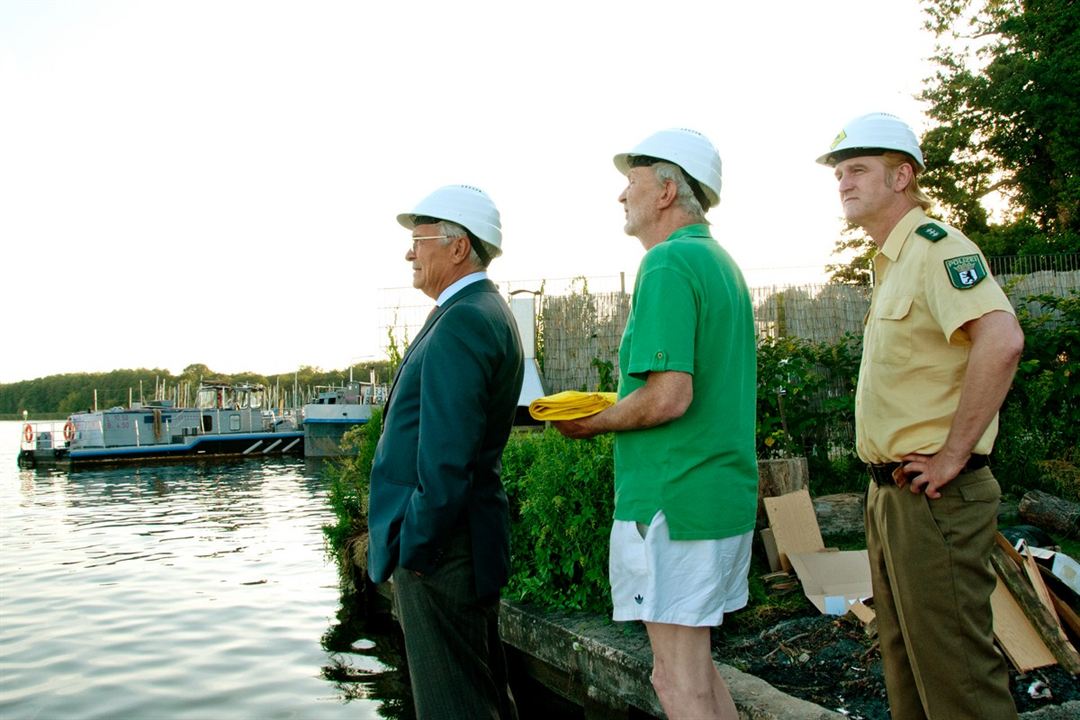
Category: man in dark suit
[437,515]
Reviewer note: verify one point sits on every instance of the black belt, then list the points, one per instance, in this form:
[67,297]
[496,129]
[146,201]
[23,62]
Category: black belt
[883,474]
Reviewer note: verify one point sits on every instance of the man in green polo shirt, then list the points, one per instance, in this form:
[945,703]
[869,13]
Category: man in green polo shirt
[685,467]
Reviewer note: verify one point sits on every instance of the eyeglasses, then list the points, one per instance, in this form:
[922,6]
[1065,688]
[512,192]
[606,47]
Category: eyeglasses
[421,238]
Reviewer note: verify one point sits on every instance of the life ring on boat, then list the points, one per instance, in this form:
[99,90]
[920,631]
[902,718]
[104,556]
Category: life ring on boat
[69,431]
[28,433]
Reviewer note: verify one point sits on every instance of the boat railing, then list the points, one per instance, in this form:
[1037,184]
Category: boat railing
[46,435]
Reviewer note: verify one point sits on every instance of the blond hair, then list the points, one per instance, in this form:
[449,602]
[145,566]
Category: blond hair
[914,193]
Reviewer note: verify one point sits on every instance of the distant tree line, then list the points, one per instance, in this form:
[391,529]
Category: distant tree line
[72,392]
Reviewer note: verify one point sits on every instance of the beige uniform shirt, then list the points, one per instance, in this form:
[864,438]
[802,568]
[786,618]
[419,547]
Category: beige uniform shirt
[914,352]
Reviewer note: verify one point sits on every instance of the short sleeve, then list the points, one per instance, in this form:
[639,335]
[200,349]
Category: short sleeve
[952,302]
[665,321]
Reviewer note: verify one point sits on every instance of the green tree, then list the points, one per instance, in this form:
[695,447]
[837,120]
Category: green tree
[857,270]
[1007,119]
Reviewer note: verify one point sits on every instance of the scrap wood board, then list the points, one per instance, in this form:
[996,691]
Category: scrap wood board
[1015,633]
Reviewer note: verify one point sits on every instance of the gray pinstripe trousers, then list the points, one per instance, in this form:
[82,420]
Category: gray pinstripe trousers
[457,667]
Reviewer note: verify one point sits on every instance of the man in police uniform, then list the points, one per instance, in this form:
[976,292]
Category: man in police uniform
[940,347]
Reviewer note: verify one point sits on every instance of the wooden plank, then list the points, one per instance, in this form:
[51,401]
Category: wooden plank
[1041,619]
[769,543]
[1031,568]
[865,614]
[794,525]
[1008,549]
[1069,619]
[1015,633]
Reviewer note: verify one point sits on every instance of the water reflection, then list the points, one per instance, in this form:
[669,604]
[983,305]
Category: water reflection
[181,591]
[359,619]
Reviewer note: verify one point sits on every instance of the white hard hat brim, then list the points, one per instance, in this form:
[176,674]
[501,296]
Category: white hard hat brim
[465,205]
[688,149]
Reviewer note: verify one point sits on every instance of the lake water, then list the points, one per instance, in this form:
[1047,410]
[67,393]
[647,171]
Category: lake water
[178,591]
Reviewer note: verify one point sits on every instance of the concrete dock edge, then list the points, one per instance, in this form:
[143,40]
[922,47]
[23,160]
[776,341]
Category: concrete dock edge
[604,667]
[606,664]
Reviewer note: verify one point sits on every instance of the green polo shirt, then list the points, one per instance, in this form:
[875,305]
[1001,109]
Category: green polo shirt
[691,313]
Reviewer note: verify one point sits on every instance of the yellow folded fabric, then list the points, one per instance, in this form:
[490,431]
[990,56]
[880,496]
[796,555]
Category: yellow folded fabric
[570,405]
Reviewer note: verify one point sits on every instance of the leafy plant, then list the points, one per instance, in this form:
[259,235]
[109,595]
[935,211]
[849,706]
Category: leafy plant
[350,478]
[562,495]
[806,406]
[1037,445]
[607,381]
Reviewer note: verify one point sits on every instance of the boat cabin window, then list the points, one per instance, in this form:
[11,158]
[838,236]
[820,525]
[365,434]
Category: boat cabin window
[207,423]
[234,422]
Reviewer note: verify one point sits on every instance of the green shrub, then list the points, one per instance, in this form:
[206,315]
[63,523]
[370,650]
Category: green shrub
[1040,419]
[806,407]
[562,501]
[350,477]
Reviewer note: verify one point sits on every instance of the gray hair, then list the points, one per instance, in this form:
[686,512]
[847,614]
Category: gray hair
[684,196]
[452,230]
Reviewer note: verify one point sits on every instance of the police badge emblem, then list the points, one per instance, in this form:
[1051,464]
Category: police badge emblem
[966,271]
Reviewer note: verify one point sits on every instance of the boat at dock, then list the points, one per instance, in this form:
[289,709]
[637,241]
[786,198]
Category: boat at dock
[226,421]
[334,410]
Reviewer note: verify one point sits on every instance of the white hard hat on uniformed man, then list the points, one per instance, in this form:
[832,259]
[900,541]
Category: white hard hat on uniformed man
[468,206]
[688,149]
[873,134]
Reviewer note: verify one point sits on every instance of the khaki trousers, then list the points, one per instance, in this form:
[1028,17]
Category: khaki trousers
[932,579]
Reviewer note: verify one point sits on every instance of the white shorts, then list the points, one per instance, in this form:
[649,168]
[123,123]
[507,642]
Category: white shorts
[678,582]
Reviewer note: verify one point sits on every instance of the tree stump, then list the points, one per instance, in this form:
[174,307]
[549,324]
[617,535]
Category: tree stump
[779,477]
[841,514]
[1051,513]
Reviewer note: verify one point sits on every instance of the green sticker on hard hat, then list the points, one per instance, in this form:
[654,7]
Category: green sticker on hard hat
[931,231]
[965,271]
[838,140]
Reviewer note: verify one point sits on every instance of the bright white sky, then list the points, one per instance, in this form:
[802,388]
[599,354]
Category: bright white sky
[216,181]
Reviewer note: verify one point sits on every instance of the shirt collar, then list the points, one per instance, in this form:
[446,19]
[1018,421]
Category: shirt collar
[686,231]
[894,244]
[459,284]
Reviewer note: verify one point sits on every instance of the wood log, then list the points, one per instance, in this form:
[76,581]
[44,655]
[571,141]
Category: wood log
[779,477]
[1047,627]
[1051,513]
[841,514]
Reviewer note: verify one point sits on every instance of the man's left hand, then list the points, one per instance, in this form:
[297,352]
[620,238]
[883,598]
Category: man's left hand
[929,473]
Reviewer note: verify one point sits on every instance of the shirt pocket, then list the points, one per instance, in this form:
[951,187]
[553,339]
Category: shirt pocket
[891,319]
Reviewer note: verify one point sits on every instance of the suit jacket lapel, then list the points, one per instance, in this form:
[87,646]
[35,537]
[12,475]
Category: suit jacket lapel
[428,324]
[436,313]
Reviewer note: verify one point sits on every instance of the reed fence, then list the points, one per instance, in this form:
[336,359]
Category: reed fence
[578,329]
[579,333]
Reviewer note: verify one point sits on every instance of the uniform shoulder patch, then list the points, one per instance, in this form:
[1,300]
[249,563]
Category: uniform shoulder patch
[931,231]
[965,271]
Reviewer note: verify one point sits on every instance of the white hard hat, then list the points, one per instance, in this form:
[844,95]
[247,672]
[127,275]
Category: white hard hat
[465,205]
[688,149]
[871,135]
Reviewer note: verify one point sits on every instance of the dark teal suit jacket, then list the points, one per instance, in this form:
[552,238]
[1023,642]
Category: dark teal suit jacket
[438,463]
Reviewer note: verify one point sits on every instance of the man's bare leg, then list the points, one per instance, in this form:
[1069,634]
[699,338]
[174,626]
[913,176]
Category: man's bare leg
[684,676]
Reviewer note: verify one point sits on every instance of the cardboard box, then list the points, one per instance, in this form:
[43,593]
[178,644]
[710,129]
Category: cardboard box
[832,581]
